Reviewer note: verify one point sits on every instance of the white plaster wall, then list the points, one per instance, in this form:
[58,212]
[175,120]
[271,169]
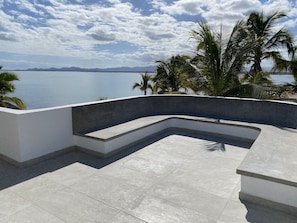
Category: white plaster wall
[28,134]
[239,131]
[269,190]
[44,131]
[89,143]
[9,136]
[133,136]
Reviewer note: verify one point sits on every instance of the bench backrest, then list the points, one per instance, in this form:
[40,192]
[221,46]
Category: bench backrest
[108,113]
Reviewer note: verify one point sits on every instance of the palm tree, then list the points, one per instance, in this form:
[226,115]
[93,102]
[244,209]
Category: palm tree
[288,65]
[220,62]
[173,74]
[260,78]
[261,30]
[6,87]
[144,85]
[259,85]
[291,67]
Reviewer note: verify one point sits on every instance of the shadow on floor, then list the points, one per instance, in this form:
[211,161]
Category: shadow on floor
[11,175]
[261,214]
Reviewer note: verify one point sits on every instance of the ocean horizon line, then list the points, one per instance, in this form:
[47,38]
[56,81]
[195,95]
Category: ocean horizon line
[80,69]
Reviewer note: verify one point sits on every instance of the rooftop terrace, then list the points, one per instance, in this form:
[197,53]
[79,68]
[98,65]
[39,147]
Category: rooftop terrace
[182,174]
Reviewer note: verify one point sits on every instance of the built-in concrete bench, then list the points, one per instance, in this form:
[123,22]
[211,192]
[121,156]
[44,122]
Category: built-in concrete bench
[268,172]
[109,140]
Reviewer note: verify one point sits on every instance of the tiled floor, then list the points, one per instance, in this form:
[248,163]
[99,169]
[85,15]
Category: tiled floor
[178,178]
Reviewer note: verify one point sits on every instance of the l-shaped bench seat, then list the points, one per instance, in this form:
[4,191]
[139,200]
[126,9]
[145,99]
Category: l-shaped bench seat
[109,140]
[268,172]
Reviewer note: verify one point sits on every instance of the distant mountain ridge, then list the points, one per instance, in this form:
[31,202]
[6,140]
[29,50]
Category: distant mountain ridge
[149,69]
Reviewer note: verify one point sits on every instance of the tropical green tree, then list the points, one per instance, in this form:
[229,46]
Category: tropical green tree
[144,84]
[259,85]
[268,41]
[260,78]
[262,31]
[6,87]
[288,65]
[219,62]
[173,74]
[291,67]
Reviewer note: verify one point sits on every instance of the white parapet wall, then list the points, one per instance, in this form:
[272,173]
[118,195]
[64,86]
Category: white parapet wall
[9,134]
[29,134]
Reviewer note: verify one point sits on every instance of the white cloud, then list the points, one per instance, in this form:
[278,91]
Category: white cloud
[242,6]
[184,7]
[7,37]
[277,5]
[78,30]
[26,18]
[102,36]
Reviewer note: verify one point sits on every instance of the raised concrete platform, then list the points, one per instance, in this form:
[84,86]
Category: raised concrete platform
[172,178]
[268,171]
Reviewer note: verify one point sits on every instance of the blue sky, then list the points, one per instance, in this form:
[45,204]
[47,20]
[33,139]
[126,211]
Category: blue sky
[114,33]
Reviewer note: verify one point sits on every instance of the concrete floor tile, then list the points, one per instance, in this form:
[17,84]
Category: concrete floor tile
[155,210]
[179,147]
[11,203]
[128,176]
[36,188]
[190,198]
[218,181]
[162,154]
[149,165]
[31,214]
[210,162]
[72,206]
[72,173]
[235,194]
[108,190]
[123,217]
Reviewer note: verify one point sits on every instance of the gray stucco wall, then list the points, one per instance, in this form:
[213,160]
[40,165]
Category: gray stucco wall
[105,114]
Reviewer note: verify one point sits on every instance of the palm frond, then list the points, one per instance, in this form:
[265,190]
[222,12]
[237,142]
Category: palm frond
[12,102]
[249,90]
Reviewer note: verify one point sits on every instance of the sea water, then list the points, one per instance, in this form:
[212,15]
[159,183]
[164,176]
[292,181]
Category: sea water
[41,89]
